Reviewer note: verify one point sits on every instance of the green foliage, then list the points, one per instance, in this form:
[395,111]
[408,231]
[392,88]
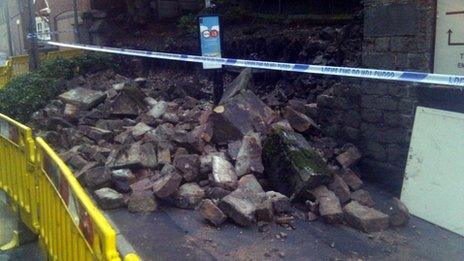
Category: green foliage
[187,24]
[30,92]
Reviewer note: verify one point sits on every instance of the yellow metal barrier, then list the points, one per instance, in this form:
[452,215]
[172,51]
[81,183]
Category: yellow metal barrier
[18,65]
[51,201]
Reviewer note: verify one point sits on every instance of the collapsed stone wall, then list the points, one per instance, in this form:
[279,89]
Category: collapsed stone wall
[378,115]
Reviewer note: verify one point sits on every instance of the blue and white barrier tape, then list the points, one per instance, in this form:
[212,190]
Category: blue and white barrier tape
[453,80]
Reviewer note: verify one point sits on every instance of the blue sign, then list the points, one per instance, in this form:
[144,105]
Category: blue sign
[210,39]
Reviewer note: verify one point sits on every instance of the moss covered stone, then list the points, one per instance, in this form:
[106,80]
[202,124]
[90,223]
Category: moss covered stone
[292,165]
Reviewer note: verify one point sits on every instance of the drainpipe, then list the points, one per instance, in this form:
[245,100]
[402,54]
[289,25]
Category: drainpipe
[8,29]
[77,33]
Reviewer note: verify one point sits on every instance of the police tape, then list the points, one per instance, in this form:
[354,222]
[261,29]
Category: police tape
[417,77]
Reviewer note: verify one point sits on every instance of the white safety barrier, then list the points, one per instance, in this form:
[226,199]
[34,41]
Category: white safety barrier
[418,77]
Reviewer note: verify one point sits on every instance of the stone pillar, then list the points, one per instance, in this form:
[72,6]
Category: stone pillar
[398,35]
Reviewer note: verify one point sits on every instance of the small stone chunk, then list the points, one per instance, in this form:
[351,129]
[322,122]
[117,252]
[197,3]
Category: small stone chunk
[223,173]
[398,212]
[109,199]
[280,202]
[363,197]
[211,212]
[188,165]
[299,121]
[168,183]
[351,179]
[340,188]
[142,202]
[329,205]
[189,196]
[364,218]
[350,157]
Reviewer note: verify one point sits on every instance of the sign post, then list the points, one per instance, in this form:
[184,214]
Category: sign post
[449,44]
[211,46]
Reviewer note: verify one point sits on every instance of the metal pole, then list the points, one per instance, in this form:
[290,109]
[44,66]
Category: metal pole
[8,28]
[33,52]
[77,33]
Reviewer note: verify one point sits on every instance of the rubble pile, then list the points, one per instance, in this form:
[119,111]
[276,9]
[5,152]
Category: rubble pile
[240,161]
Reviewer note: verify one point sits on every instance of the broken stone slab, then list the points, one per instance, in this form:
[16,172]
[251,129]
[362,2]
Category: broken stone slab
[240,115]
[188,165]
[84,99]
[299,121]
[292,165]
[137,155]
[121,186]
[363,197]
[233,148]
[70,112]
[142,202]
[140,129]
[168,183]
[350,157]
[240,83]
[265,211]
[123,174]
[158,109]
[329,205]
[249,157]
[211,212]
[98,177]
[217,193]
[125,106]
[189,196]
[206,161]
[280,202]
[398,212]
[364,218]
[108,198]
[351,179]
[142,185]
[96,134]
[249,182]
[239,208]
[340,188]
[223,174]
[164,156]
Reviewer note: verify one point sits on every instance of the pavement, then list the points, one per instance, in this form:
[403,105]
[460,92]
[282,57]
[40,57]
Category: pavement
[176,234]
[9,224]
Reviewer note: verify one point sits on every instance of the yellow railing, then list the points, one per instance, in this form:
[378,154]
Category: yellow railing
[50,199]
[18,65]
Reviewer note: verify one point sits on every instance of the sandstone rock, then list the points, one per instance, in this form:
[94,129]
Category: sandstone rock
[239,208]
[140,129]
[124,106]
[142,202]
[240,83]
[188,165]
[398,212]
[223,173]
[84,99]
[249,182]
[280,203]
[329,205]
[299,121]
[96,134]
[351,179]
[312,216]
[158,110]
[98,177]
[123,174]
[249,156]
[142,185]
[217,193]
[211,212]
[138,155]
[233,148]
[121,186]
[350,157]
[282,124]
[109,199]
[265,211]
[164,156]
[363,197]
[240,115]
[292,165]
[168,183]
[311,110]
[206,161]
[70,111]
[364,218]
[189,196]
[75,160]
[339,187]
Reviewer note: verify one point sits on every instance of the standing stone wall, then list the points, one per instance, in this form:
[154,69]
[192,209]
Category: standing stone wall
[378,116]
